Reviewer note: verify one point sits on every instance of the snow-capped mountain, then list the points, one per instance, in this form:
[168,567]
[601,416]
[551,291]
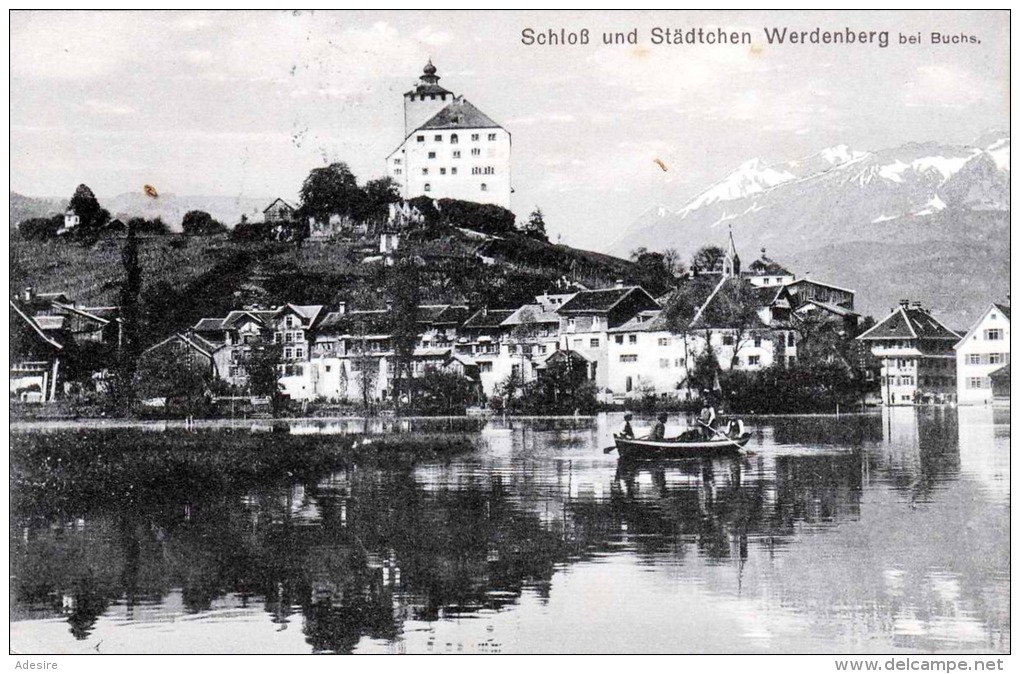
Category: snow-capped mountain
[913,193]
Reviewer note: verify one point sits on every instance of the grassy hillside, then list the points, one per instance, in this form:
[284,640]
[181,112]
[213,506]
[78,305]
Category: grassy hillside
[185,278]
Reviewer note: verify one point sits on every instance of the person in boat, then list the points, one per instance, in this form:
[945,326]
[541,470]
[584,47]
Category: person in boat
[627,431]
[659,429]
[706,419]
[735,429]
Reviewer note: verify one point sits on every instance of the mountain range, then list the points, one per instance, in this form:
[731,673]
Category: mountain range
[924,221]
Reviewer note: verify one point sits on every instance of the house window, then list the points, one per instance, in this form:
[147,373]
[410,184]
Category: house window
[299,353]
[996,358]
[453,171]
[485,188]
[289,337]
[453,139]
[628,358]
[428,187]
[512,349]
[570,323]
[442,172]
[424,171]
[664,363]
[678,362]
[485,367]
[474,136]
[619,339]
[492,136]
[329,368]
[973,359]
[475,152]
[288,353]
[767,279]
[397,161]
[475,171]
[420,139]
[754,360]
[432,155]
[993,334]
[438,138]
[976,382]
[789,339]
[398,172]
[632,339]
[594,344]
[489,170]
[663,341]
[456,154]
[757,341]
[277,337]
[727,340]
[630,384]
[906,381]
[542,349]
[289,322]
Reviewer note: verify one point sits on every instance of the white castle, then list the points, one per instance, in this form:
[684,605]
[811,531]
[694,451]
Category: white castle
[451,149]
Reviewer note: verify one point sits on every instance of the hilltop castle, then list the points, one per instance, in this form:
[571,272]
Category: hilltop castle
[451,149]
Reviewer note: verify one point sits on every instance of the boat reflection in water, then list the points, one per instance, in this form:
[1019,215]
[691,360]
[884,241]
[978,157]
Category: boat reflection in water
[873,533]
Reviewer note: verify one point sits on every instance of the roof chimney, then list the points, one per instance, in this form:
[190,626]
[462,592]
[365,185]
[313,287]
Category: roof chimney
[389,305]
[341,308]
[904,303]
[915,305]
[27,294]
[619,283]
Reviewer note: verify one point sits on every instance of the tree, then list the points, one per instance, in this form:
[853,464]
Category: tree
[674,265]
[734,309]
[404,289]
[41,228]
[652,269]
[708,258]
[261,364]
[332,190]
[200,223]
[175,375]
[154,226]
[131,334]
[92,216]
[378,195]
[534,228]
[441,392]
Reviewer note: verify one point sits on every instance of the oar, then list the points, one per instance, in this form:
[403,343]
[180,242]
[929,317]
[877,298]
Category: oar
[724,437]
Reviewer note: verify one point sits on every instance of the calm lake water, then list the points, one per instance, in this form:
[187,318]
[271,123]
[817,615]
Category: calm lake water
[860,534]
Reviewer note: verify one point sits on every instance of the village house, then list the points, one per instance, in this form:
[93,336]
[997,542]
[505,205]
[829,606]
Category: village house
[532,336]
[983,352]
[916,351]
[36,349]
[279,212]
[189,349]
[484,338]
[451,149]
[765,271]
[588,316]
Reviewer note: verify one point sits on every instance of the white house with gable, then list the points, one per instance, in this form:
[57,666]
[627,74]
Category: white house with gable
[982,351]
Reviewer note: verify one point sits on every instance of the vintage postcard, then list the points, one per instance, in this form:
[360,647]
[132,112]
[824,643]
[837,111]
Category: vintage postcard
[428,332]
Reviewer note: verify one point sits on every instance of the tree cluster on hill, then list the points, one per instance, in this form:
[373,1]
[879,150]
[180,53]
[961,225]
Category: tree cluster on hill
[200,223]
[334,190]
[484,218]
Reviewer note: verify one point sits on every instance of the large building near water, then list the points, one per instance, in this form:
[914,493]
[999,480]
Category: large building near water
[451,149]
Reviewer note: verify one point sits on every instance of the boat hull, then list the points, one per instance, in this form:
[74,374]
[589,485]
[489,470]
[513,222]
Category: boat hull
[630,448]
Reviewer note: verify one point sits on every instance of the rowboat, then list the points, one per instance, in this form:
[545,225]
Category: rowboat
[636,448]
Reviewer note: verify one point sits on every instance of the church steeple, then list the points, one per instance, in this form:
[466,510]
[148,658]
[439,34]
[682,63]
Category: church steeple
[731,263]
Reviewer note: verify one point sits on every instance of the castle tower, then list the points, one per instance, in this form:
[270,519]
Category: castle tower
[425,100]
[731,263]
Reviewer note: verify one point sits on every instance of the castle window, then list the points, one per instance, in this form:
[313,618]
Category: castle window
[420,139]
[433,97]
[432,155]
[396,162]
[489,170]
[428,187]
[456,154]
[397,172]
[453,171]
[475,152]
[442,172]
[453,139]
[492,136]
[424,171]
[475,170]
[474,136]
[439,137]
[485,188]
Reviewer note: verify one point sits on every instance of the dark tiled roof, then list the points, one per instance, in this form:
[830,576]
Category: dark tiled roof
[460,114]
[532,313]
[909,323]
[488,318]
[1004,309]
[765,266]
[685,302]
[595,301]
[367,322]
[442,314]
[645,321]
[275,201]
[428,90]
[209,324]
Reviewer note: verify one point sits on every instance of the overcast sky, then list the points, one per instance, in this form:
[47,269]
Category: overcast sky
[248,103]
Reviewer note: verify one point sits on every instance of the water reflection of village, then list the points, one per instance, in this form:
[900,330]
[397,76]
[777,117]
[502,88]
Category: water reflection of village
[856,528]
